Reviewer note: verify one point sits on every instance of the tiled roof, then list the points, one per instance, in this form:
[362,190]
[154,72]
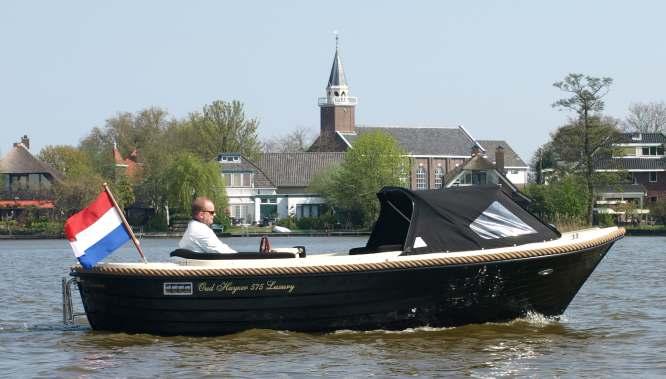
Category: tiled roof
[296,169]
[511,158]
[19,161]
[260,178]
[644,138]
[424,140]
[631,164]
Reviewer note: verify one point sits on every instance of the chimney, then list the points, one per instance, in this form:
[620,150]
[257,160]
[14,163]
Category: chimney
[25,141]
[499,159]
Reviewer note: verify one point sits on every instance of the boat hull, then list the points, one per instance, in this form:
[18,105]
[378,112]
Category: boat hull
[391,299]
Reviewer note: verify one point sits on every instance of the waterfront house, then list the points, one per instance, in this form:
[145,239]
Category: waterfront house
[275,185]
[478,170]
[641,156]
[25,182]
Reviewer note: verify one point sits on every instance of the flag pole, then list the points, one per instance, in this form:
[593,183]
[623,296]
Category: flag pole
[127,226]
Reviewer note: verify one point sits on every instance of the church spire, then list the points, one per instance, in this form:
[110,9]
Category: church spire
[337,90]
[337,77]
[337,109]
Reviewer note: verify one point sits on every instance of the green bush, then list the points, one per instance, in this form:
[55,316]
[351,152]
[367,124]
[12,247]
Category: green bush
[606,220]
[289,222]
[658,211]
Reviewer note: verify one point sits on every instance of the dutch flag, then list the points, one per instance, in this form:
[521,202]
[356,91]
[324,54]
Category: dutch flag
[96,231]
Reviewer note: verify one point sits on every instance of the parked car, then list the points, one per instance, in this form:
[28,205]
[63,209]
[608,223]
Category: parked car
[217,228]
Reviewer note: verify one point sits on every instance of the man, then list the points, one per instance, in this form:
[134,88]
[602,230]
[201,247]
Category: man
[199,237]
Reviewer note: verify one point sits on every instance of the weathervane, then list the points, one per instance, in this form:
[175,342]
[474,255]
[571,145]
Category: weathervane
[337,37]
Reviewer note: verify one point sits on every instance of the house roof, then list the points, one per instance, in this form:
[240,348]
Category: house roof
[260,178]
[480,163]
[511,158]
[417,140]
[644,138]
[19,161]
[631,164]
[296,169]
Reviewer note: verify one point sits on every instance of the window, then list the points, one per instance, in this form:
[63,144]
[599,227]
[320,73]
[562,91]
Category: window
[421,182]
[653,177]
[439,173]
[239,212]
[238,179]
[498,222]
[307,210]
[229,158]
[473,178]
[653,150]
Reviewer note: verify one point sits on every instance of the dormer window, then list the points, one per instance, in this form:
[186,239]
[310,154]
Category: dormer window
[222,158]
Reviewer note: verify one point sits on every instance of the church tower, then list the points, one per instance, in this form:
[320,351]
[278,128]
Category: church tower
[337,109]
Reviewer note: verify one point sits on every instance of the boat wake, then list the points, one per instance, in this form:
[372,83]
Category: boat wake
[531,319]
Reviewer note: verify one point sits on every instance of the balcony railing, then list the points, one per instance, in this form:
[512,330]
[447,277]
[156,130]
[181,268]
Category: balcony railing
[347,100]
[26,195]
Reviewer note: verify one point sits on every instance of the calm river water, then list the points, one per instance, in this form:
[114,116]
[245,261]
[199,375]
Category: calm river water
[616,326]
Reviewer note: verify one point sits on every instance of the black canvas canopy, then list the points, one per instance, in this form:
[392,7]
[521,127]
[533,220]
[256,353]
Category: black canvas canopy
[453,219]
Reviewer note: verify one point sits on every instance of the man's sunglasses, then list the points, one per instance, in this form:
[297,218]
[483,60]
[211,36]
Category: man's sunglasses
[212,213]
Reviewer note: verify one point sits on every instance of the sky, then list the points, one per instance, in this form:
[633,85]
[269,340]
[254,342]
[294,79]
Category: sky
[67,66]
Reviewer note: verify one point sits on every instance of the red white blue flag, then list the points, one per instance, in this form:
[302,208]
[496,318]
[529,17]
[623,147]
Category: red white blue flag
[96,231]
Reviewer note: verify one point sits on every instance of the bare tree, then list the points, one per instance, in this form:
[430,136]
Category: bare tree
[646,117]
[294,142]
[586,101]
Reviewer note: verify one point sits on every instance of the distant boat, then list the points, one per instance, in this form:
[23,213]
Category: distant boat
[434,258]
[281,229]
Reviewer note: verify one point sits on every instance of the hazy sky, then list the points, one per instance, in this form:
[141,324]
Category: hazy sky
[66,67]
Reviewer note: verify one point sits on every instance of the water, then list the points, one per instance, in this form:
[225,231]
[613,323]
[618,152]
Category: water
[616,326]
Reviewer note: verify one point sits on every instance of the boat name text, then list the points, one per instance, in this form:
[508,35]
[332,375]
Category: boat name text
[234,288]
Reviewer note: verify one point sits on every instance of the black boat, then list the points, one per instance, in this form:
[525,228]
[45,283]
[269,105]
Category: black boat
[434,258]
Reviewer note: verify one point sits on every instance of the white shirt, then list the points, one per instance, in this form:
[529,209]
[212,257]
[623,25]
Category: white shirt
[200,238]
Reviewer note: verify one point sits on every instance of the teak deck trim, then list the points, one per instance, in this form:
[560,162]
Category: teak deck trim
[377,266]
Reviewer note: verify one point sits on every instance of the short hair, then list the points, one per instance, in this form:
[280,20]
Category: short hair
[199,204]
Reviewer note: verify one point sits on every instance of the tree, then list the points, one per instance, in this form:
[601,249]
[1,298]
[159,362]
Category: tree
[143,130]
[562,200]
[80,184]
[222,127]
[74,193]
[646,118]
[187,177]
[375,161]
[295,142]
[658,211]
[544,158]
[578,142]
[68,160]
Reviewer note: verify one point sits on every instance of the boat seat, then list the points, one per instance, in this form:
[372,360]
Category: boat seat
[375,249]
[189,254]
